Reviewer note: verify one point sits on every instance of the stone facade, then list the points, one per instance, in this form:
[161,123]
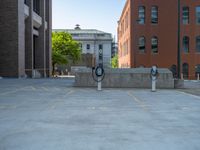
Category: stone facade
[25,38]
[90,40]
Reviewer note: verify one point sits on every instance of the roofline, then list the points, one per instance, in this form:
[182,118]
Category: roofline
[125,6]
[83,30]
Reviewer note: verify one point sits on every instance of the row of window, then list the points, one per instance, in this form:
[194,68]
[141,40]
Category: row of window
[186,15]
[88,46]
[185,70]
[124,49]
[154,44]
[125,23]
[186,44]
[142,44]
[154,15]
[141,15]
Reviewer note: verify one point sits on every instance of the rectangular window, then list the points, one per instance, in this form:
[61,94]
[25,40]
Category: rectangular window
[198,15]
[126,21]
[141,15]
[36,6]
[88,46]
[141,45]
[100,46]
[154,45]
[185,15]
[154,15]
[198,44]
[186,44]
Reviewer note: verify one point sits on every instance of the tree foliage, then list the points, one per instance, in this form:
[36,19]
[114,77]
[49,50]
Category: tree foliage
[115,61]
[64,49]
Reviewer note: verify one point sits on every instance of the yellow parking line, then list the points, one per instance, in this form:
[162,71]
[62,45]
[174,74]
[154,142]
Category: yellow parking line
[33,88]
[44,88]
[137,100]
[8,106]
[70,92]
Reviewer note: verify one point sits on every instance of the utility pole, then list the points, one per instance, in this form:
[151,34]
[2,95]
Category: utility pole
[179,49]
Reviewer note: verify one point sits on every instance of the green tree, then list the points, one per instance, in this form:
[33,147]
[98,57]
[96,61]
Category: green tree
[115,61]
[64,49]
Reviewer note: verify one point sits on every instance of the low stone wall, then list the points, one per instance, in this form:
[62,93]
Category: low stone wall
[125,78]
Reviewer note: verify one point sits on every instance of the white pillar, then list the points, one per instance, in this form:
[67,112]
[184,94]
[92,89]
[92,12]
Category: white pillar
[99,84]
[153,89]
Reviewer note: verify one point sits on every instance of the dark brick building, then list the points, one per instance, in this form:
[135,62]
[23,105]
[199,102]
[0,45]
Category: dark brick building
[25,38]
[148,35]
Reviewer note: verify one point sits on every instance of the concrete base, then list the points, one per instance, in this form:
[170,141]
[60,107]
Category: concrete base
[178,83]
[125,78]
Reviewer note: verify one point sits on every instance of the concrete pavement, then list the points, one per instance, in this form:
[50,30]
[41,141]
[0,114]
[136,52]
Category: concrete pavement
[53,115]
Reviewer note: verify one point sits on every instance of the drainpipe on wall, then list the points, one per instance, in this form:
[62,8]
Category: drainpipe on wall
[179,50]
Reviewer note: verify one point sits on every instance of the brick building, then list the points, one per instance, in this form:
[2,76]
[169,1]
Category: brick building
[25,38]
[148,35]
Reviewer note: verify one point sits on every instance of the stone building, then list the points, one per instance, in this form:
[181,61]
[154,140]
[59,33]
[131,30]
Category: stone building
[25,38]
[91,41]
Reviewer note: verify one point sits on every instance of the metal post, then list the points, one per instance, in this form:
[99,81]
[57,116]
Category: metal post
[179,50]
[198,77]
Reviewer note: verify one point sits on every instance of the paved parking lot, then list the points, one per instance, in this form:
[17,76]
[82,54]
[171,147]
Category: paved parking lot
[49,114]
[191,87]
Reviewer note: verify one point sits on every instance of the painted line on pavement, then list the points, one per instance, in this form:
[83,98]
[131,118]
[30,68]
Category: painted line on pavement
[14,91]
[194,96]
[55,103]
[70,92]
[45,89]
[137,100]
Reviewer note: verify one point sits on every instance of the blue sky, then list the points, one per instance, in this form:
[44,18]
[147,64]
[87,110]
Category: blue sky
[90,14]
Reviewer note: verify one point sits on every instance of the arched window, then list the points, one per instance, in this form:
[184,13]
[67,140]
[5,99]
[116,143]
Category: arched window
[198,44]
[186,41]
[197,70]
[185,71]
[173,69]
[141,44]
[154,45]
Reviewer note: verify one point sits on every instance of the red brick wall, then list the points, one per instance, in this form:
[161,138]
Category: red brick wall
[166,30]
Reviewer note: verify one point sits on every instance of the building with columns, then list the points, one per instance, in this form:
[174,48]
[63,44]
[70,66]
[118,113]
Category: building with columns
[148,34]
[25,38]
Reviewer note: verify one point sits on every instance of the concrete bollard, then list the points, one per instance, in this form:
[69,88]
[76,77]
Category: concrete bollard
[99,84]
[153,89]
[154,75]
